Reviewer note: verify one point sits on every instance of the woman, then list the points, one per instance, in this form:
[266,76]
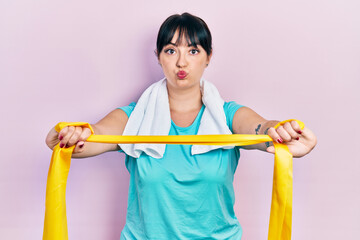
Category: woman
[179,194]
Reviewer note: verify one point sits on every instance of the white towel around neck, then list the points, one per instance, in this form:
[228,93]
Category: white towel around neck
[151,116]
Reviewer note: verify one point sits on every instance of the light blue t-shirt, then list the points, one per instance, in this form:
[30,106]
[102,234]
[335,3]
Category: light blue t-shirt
[183,196]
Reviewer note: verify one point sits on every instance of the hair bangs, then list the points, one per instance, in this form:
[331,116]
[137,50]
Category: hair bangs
[187,33]
[191,28]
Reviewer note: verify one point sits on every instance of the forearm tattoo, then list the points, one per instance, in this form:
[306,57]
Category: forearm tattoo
[257,129]
[265,132]
[267,143]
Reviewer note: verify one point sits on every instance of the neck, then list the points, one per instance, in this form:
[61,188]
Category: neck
[184,100]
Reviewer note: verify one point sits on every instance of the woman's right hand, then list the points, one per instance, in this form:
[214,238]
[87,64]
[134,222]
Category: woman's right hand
[68,137]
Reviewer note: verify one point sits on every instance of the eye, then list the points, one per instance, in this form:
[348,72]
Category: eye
[169,51]
[194,51]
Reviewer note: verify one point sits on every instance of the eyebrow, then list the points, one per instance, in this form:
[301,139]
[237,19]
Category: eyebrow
[174,44]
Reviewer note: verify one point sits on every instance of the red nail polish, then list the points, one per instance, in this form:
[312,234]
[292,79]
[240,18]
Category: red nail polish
[297,138]
[81,146]
[279,140]
[299,132]
[61,145]
[61,137]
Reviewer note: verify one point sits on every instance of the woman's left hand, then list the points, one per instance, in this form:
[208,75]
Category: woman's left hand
[299,141]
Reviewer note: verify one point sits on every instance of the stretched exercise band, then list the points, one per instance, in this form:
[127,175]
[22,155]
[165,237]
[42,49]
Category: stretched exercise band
[55,223]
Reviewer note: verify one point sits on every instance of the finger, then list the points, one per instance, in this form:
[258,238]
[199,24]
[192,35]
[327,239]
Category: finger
[284,135]
[274,135]
[75,136]
[86,132]
[305,133]
[67,136]
[62,133]
[271,149]
[295,125]
[308,135]
[79,147]
[290,130]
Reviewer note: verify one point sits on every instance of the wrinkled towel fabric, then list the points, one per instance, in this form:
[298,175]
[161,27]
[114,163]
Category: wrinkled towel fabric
[151,116]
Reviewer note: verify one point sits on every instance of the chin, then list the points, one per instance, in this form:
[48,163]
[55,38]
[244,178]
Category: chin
[185,83]
[182,83]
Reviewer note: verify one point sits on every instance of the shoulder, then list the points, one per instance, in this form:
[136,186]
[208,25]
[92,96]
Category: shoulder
[128,109]
[230,109]
[231,106]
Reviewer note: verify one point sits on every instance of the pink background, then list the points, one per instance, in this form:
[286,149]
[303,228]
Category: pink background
[78,60]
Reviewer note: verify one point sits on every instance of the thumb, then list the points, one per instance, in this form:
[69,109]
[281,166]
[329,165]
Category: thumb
[271,149]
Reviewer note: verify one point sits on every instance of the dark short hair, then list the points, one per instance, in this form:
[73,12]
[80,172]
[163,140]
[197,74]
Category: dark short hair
[192,27]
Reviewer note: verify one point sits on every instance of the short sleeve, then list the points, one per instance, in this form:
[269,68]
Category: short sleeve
[128,109]
[230,109]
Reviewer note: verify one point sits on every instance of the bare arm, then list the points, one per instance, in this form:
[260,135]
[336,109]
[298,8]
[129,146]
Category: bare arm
[299,141]
[247,121]
[112,124]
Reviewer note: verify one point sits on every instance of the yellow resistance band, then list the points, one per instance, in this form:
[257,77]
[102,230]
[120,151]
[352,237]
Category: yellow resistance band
[55,224]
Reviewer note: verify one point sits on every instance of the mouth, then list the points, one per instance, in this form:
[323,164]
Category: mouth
[181,74]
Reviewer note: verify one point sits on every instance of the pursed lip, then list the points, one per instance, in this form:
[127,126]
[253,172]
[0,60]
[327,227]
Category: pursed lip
[181,74]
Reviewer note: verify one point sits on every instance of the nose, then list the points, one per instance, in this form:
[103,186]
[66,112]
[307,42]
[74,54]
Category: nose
[181,61]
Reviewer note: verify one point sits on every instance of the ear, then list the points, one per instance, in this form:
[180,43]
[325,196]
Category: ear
[208,59]
[157,56]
